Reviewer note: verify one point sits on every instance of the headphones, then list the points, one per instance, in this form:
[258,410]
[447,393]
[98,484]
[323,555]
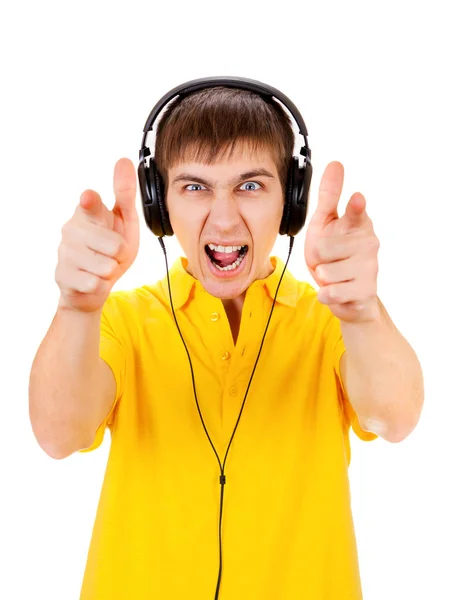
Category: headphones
[298,178]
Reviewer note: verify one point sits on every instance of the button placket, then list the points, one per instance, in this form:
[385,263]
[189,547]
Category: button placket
[250,334]
[221,341]
[252,329]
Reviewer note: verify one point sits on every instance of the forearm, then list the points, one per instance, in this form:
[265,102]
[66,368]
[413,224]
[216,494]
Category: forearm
[382,376]
[63,381]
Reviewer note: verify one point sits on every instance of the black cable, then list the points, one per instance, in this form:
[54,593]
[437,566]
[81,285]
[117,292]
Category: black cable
[222,467]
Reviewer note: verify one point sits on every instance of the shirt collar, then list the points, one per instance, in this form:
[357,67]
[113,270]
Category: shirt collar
[184,286]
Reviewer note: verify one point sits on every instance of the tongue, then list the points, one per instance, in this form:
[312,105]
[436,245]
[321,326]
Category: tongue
[225,258]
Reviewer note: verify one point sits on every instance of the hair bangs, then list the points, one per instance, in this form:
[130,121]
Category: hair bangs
[211,124]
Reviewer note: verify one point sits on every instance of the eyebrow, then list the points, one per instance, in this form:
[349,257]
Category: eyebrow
[241,177]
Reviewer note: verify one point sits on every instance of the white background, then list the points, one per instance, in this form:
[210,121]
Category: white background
[375,84]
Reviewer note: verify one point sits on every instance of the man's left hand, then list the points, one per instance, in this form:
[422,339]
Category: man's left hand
[341,253]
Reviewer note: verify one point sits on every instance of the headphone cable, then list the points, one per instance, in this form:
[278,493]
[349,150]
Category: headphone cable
[222,467]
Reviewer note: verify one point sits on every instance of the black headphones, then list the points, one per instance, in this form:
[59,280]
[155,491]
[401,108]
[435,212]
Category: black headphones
[298,179]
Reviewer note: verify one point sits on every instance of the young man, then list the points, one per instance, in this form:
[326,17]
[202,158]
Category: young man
[331,360]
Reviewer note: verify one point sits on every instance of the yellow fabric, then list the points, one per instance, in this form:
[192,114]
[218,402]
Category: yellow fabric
[287,529]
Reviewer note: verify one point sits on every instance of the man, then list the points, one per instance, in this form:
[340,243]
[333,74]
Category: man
[330,360]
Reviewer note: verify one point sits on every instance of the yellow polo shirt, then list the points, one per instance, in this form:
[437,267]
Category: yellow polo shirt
[287,529]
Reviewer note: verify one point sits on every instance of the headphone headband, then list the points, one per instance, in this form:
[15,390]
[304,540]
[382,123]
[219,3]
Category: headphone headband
[234,82]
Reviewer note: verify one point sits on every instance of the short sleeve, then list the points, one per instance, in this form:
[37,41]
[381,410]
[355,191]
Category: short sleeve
[112,351]
[349,412]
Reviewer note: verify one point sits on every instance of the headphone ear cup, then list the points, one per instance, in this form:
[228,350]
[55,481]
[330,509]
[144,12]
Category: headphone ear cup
[155,213]
[159,189]
[152,195]
[285,223]
[305,178]
[146,197]
[295,210]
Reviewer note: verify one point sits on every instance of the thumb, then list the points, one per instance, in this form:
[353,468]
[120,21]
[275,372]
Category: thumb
[125,190]
[329,194]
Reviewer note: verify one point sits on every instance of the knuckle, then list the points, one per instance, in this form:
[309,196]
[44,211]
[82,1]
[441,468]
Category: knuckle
[58,275]
[335,296]
[89,283]
[63,278]
[115,247]
[110,245]
[64,228]
[373,243]
[117,244]
[63,253]
[321,273]
[72,223]
[71,232]
[108,266]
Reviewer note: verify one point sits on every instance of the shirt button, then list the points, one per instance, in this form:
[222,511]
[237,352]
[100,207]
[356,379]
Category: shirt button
[225,356]
[233,390]
[215,316]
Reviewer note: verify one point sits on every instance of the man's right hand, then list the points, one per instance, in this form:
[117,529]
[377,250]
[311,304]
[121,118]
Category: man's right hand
[98,245]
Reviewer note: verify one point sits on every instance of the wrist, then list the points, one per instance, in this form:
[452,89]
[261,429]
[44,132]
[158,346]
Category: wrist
[65,311]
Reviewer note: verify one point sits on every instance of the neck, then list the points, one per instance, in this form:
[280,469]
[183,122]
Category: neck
[234,305]
[233,309]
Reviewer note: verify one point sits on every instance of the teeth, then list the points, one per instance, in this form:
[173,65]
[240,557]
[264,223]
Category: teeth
[226,249]
[236,264]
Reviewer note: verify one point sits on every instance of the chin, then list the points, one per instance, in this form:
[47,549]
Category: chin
[225,291]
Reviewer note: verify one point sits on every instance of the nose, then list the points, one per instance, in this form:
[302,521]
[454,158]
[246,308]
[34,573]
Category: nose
[224,214]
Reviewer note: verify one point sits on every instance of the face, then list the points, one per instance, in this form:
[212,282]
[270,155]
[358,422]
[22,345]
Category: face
[226,217]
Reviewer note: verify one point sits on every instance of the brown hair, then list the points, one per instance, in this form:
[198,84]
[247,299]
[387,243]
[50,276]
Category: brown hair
[204,125]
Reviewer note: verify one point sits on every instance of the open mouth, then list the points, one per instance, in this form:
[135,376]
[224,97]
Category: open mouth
[226,258]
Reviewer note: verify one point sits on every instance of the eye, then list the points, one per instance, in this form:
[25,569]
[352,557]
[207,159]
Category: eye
[194,185]
[250,184]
